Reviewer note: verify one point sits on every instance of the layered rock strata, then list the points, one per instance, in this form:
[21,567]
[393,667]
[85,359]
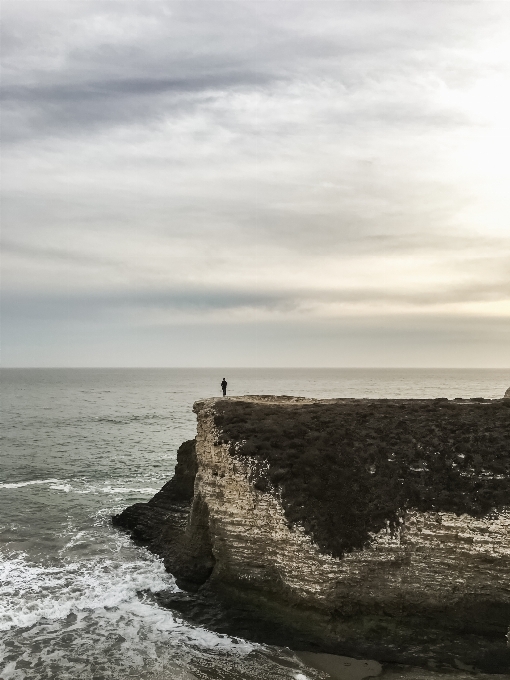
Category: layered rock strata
[362,527]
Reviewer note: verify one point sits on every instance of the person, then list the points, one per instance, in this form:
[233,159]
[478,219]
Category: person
[224,387]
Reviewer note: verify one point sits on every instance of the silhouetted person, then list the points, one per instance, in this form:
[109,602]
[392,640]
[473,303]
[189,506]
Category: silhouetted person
[224,387]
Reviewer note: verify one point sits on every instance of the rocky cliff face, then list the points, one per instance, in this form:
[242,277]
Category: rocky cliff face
[175,523]
[365,527]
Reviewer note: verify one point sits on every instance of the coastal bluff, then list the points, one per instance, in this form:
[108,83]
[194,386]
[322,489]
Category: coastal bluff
[375,528]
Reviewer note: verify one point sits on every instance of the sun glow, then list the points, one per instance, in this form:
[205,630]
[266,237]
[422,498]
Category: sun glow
[482,159]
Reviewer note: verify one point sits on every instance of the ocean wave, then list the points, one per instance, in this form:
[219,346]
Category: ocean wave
[125,489]
[30,592]
[81,487]
[18,485]
[61,487]
[106,489]
[82,615]
[132,418]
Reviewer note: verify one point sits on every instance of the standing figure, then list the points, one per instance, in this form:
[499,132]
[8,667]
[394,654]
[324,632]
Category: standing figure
[224,387]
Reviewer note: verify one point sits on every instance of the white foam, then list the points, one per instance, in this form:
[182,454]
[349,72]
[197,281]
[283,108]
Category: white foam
[18,485]
[30,592]
[93,610]
[61,487]
[81,487]
[114,490]
[124,489]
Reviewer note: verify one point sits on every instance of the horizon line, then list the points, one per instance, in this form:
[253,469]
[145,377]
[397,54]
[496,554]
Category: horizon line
[262,368]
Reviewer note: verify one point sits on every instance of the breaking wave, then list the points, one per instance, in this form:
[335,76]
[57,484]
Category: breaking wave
[92,621]
[82,487]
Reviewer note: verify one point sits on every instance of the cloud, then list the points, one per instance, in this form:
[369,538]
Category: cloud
[170,163]
[69,108]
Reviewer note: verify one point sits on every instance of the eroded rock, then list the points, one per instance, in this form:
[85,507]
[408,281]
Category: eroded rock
[174,524]
[367,528]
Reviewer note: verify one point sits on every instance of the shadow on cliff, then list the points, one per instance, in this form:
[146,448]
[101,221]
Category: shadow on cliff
[174,524]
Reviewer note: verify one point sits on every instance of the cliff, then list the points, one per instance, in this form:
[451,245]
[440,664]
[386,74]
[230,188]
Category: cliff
[360,527]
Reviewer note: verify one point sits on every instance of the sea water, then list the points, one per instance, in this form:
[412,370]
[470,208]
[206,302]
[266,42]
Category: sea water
[79,445]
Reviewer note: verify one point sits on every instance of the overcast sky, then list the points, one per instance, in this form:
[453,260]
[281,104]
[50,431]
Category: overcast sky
[255,183]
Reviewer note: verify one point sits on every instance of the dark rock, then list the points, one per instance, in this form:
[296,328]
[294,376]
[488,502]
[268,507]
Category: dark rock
[164,525]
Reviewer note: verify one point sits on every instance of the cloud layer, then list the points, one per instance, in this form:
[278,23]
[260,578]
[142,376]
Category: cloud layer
[175,166]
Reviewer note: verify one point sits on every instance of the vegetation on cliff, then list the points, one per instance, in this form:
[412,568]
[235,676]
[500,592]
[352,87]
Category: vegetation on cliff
[344,470]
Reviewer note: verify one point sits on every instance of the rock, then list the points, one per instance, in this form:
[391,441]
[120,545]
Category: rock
[362,528]
[166,526]
[507,394]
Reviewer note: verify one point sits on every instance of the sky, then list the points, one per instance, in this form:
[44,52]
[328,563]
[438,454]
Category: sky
[259,183]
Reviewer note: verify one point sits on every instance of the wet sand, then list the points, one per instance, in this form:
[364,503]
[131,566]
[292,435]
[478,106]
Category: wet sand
[341,667]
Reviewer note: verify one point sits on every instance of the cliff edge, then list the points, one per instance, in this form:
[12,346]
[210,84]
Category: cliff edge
[363,527]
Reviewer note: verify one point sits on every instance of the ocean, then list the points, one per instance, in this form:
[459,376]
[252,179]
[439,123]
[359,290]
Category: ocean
[79,445]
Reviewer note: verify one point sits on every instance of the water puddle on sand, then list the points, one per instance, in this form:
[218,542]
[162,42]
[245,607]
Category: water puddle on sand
[341,667]
[276,664]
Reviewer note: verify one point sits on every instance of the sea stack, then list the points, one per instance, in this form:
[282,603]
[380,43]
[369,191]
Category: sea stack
[366,527]
[507,394]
